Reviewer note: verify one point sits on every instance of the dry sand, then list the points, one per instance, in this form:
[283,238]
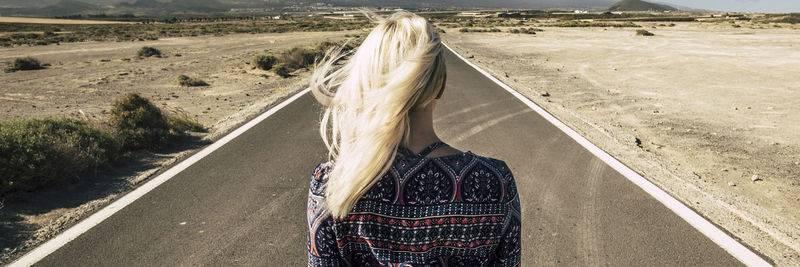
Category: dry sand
[714,107]
[84,80]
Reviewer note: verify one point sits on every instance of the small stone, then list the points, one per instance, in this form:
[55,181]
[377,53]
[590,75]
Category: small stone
[182,223]
[731,184]
[724,169]
[546,94]
[756,178]
[735,108]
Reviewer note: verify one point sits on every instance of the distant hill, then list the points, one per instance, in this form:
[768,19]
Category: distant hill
[197,6]
[61,8]
[638,5]
[50,8]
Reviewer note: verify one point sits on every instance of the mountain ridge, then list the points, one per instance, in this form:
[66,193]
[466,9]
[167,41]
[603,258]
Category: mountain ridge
[638,5]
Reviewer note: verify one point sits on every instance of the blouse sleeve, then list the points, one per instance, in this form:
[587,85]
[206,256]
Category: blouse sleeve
[509,251]
[321,238]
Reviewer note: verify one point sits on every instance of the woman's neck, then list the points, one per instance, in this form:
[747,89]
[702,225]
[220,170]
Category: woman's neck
[422,132]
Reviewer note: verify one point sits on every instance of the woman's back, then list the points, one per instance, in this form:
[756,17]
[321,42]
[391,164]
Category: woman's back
[454,210]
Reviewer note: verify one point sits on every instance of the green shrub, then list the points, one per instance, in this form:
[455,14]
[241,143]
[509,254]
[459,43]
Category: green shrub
[139,124]
[282,71]
[264,62]
[182,124]
[147,51]
[44,152]
[184,80]
[24,63]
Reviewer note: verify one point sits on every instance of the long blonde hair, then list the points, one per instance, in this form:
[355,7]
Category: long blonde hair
[398,68]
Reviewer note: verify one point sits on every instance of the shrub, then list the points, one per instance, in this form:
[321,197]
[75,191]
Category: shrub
[25,63]
[264,62]
[139,124]
[184,80]
[42,152]
[644,33]
[298,58]
[147,51]
[282,71]
[179,124]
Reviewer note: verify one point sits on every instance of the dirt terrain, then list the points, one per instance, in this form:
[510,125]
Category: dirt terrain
[85,78]
[706,111]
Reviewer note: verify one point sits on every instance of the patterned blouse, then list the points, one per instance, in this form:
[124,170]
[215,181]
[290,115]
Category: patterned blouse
[455,210]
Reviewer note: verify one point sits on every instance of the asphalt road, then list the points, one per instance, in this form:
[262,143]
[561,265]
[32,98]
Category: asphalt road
[245,203]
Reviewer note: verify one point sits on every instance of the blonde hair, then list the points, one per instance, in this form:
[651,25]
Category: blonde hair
[398,68]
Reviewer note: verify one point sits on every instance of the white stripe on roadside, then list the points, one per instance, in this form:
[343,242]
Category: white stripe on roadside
[73,232]
[708,229]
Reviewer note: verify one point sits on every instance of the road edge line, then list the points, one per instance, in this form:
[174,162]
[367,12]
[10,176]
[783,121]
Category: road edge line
[50,246]
[719,237]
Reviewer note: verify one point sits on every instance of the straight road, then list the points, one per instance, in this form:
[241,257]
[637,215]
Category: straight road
[245,203]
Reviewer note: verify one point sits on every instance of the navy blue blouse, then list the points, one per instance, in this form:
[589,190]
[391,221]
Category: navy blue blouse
[455,210]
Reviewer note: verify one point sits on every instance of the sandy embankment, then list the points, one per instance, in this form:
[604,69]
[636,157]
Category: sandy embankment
[84,80]
[716,110]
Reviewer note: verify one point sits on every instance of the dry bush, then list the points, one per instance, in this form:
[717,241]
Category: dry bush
[139,123]
[181,124]
[147,51]
[644,33]
[282,71]
[24,63]
[187,81]
[50,151]
[264,62]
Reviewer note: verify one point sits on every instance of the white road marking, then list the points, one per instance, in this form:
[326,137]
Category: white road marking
[73,232]
[708,229]
[480,127]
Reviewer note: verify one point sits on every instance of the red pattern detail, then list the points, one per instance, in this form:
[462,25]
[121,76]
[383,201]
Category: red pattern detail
[420,222]
[416,248]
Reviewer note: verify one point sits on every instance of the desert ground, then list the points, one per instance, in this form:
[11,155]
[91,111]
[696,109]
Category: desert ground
[707,111]
[85,78]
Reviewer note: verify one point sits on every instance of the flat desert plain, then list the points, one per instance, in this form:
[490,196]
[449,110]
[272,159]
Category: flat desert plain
[85,78]
[708,112]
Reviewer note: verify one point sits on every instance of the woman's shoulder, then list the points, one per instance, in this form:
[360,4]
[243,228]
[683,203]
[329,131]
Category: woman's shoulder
[477,162]
[497,164]
[319,177]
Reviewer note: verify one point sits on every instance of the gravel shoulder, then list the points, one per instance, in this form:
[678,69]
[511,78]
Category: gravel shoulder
[84,80]
[704,112]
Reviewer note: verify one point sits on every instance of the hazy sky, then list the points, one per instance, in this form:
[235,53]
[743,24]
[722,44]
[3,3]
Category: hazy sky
[740,5]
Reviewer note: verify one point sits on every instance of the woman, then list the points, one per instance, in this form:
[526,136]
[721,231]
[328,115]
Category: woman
[393,193]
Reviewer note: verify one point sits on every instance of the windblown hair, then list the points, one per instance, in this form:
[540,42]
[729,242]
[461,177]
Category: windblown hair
[398,68]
